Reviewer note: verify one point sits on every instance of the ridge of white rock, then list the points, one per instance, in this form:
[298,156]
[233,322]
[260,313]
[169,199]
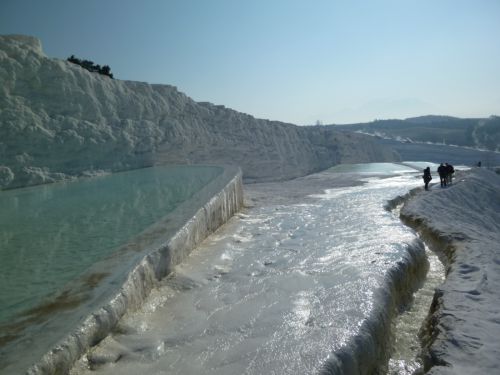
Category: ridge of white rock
[59,121]
[464,325]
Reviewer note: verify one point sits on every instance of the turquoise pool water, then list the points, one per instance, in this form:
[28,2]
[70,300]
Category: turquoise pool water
[52,234]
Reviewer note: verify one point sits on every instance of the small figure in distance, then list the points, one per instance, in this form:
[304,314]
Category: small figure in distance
[479,163]
[449,172]
[427,177]
[442,174]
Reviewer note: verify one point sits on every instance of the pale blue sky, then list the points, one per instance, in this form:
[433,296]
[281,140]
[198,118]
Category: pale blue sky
[291,60]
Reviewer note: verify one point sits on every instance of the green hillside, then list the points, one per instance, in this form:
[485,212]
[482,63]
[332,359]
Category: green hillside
[481,133]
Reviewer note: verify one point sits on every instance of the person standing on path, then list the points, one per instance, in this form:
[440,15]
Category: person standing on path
[449,172]
[427,177]
[442,174]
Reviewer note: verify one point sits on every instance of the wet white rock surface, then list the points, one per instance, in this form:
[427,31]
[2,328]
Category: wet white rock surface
[279,289]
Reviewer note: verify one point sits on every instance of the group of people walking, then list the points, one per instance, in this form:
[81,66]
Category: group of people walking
[445,172]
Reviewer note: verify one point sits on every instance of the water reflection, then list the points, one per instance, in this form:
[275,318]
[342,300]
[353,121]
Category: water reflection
[277,290]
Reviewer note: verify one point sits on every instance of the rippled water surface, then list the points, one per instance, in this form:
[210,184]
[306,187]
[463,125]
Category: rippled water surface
[278,289]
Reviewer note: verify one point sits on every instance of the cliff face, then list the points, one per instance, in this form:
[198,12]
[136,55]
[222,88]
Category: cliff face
[60,121]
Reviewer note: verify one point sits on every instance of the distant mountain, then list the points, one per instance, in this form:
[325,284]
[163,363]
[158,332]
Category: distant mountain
[60,121]
[430,119]
[482,133]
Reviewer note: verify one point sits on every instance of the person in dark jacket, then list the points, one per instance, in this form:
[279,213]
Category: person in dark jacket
[442,174]
[449,172]
[427,177]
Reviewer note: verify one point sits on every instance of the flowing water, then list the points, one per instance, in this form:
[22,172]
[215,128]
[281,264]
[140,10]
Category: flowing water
[51,236]
[281,288]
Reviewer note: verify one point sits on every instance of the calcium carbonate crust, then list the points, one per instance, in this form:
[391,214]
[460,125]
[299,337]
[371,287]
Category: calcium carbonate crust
[58,121]
[461,333]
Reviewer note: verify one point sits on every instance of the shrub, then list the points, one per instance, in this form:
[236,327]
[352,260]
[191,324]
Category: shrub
[91,67]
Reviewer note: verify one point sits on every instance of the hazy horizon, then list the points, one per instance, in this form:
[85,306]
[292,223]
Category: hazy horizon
[337,62]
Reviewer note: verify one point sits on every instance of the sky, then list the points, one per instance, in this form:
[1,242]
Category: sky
[298,61]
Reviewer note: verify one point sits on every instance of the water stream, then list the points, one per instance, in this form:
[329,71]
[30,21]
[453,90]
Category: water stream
[280,289]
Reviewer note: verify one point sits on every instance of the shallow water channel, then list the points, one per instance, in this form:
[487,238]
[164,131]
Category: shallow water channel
[279,289]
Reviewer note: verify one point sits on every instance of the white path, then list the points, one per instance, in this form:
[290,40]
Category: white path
[466,217]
